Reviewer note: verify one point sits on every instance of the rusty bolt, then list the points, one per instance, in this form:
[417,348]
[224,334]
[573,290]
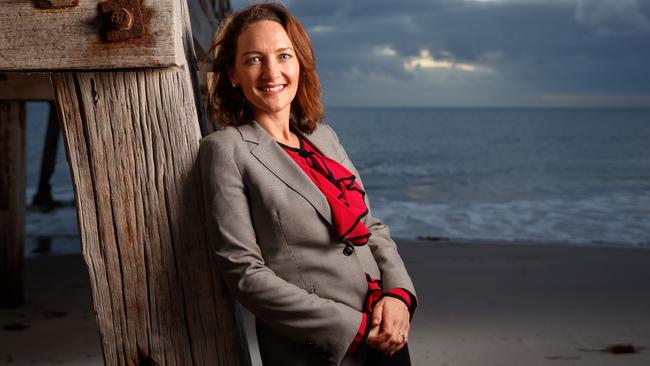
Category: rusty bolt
[122,19]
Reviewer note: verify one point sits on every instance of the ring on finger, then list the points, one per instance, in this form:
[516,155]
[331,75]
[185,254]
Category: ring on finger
[403,335]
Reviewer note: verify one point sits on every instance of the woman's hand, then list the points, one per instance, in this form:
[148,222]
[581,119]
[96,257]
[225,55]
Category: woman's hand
[389,327]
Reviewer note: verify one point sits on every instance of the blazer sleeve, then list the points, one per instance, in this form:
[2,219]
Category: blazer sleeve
[323,324]
[384,250]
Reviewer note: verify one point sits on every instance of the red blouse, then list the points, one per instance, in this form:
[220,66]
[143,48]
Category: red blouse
[346,200]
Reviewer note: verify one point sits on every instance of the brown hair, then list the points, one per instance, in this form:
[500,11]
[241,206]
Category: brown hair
[227,105]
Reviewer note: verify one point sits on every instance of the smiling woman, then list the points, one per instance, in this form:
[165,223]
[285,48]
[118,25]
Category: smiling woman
[228,101]
[293,233]
[266,70]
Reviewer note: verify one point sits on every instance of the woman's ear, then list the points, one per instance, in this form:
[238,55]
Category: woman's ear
[233,78]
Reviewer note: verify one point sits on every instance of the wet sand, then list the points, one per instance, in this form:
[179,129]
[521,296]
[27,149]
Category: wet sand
[479,304]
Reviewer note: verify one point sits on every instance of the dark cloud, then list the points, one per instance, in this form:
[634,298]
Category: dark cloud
[533,48]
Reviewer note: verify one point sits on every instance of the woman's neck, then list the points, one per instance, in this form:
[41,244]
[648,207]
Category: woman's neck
[279,129]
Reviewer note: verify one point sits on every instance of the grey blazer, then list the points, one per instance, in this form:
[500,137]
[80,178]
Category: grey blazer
[279,253]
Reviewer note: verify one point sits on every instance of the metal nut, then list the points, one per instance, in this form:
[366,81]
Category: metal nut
[122,19]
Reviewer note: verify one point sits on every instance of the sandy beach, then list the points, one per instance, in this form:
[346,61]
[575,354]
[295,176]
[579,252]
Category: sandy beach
[479,304]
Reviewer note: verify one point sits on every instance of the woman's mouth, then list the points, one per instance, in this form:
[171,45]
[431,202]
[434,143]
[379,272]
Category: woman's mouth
[271,88]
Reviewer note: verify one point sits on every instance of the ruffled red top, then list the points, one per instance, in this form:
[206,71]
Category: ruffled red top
[343,193]
[346,200]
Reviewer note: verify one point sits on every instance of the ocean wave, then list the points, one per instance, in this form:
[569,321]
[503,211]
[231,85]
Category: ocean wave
[617,219]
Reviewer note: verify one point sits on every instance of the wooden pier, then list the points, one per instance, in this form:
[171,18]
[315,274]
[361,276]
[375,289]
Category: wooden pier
[131,114]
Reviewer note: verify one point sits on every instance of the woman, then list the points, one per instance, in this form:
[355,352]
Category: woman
[296,243]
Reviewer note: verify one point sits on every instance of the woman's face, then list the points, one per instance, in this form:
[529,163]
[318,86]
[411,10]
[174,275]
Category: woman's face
[266,68]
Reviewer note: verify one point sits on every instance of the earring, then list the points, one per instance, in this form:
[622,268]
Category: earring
[234,85]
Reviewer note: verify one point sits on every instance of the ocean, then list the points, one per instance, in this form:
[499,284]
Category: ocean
[571,176]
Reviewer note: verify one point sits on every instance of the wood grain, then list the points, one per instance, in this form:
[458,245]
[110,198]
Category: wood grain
[12,202]
[67,38]
[132,143]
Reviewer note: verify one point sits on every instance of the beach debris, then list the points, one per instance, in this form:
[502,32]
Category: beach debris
[616,349]
[15,326]
[433,238]
[564,358]
[622,348]
[50,314]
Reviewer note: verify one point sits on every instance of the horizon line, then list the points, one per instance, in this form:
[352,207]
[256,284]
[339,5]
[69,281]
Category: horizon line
[483,107]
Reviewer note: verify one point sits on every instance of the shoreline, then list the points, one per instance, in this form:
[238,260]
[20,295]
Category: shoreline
[496,304]
[41,245]
[529,242]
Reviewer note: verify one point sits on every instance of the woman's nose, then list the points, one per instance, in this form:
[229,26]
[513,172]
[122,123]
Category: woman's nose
[271,68]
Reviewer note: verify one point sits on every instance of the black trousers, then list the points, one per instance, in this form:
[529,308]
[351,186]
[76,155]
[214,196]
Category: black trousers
[377,358]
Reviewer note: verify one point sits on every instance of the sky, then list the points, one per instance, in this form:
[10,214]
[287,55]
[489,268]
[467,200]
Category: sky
[479,53]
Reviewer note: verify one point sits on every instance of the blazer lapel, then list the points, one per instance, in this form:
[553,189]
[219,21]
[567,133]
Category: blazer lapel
[273,157]
[323,140]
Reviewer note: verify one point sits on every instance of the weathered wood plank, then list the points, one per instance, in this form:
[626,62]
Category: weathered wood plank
[32,38]
[132,142]
[12,202]
[25,86]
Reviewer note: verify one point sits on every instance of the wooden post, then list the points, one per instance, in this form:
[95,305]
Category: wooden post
[32,38]
[131,139]
[132,142]
[43,196]
[12,202]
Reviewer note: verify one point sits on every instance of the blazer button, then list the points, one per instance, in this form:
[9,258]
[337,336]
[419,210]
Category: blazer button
[347,251]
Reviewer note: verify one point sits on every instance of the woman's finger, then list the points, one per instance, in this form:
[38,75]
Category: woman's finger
[376,337]
[377,314]
[393,341]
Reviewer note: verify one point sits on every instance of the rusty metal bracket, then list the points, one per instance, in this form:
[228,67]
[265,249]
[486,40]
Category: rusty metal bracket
[49,4]
[122,19]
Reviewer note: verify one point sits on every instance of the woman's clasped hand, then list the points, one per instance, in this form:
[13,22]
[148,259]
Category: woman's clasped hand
[390,326]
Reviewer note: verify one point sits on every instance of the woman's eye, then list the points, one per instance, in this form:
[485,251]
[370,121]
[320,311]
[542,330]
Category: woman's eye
[254,60]
[285,56]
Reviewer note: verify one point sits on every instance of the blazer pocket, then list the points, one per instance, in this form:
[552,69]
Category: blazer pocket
[294,258]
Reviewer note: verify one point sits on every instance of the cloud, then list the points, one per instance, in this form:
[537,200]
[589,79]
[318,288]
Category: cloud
[319,29]
[425,61]
[469,52]
[386,51]
[612,16]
